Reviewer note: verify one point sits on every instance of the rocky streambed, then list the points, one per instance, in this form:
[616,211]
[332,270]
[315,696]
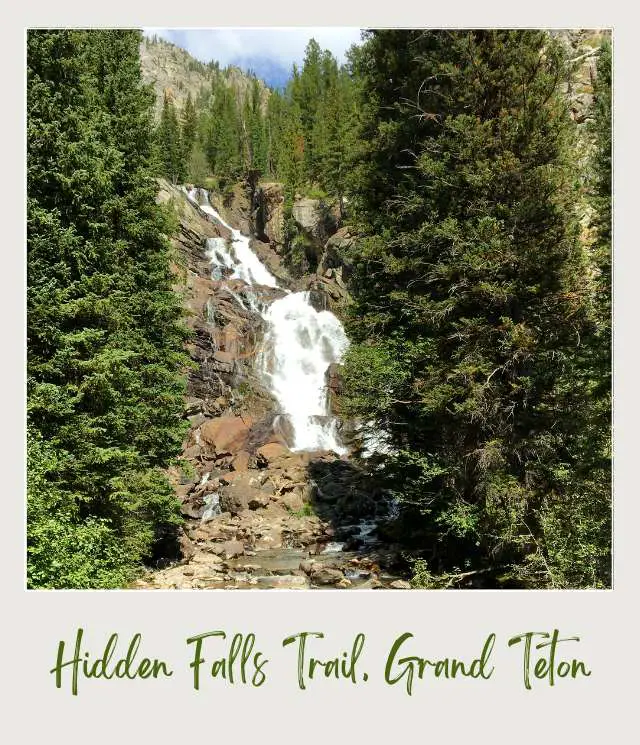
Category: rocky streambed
[272,525]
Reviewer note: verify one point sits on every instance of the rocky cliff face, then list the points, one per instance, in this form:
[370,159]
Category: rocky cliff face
[172,69]
[582,46]
[326,243]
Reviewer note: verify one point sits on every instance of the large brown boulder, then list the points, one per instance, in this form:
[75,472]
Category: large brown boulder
[226,435]
[272,451]
[242,492]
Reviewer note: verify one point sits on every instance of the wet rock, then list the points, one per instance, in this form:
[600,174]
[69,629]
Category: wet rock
[224,360]
[270,537]
[400,584]
[208,559]
[326,576]
[333,378]
[307,566]
[283,582]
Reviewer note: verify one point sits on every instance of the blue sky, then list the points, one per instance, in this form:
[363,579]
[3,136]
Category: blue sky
[269,52]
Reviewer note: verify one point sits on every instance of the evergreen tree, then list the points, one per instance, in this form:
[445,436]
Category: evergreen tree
[189,128]
[224,141]
[256,129]
[470,291]
[105,333]
[198,167]
[171,151]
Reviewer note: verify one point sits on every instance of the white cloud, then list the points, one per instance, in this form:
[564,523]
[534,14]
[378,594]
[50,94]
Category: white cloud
[283,46]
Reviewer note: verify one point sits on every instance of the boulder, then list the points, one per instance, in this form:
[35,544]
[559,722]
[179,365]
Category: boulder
[326,576]
[307,566]
[241,461]
[193,507]
[269,537]
[194,406]
[315,218]
[292,500]
[272,451]
[183,490]
[187,549]
[258,500]
[400,584]
[192,452]
[242,492]
[335,255]
[226,435]
[231,549]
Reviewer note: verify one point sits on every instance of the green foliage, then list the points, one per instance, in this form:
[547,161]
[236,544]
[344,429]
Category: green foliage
[105,329]
[305,511]
[311,126]
[472,304]
[65,551]
[172,149]
[198,167]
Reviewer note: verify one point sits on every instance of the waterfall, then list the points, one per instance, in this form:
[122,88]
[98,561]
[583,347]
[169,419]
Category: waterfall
[300,342]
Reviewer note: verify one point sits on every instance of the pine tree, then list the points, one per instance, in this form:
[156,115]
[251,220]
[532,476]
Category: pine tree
[225,137]
[189,128]
[577,528]
[105,333]
[256,129]
[171,150]
[470,288]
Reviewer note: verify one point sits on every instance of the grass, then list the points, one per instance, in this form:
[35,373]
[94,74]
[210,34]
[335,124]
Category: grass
[305,511]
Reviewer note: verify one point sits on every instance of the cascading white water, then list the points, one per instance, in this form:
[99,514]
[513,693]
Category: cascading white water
[245,264]
[300,345]
[300,342]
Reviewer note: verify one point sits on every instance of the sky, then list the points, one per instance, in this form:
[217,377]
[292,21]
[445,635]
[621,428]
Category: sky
[269,52]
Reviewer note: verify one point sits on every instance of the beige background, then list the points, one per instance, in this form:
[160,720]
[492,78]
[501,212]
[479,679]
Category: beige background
[444,623]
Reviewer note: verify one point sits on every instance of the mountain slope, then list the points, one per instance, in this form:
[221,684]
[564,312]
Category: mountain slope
[172,69]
